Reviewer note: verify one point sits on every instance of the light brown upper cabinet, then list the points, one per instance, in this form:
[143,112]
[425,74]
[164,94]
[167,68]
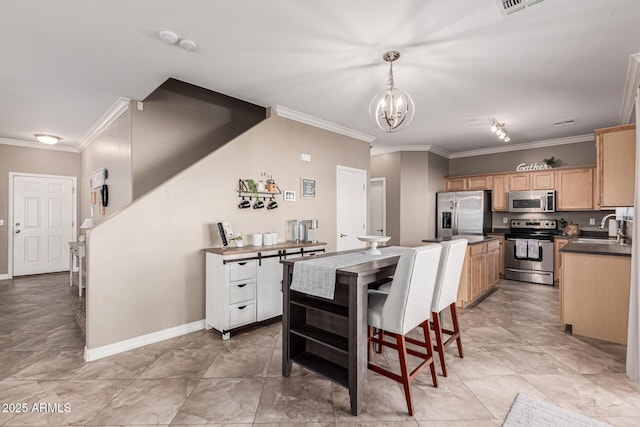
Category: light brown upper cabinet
[574,188]
[519,181]
[543,180]
[499,193]
[616,150]
[481,182]
[455,184]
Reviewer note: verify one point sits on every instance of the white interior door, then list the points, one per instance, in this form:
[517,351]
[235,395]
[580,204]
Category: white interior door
[43,211]
[377,207]
[352,207]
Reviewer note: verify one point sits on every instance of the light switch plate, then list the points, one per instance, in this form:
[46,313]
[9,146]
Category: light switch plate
[1,222]
[592,221]
[505,220]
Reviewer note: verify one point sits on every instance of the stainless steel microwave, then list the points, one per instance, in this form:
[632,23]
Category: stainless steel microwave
[532,201]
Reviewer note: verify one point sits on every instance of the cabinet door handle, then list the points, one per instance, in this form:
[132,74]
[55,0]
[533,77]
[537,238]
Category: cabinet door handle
[242,286]
[242,263]
[242,308]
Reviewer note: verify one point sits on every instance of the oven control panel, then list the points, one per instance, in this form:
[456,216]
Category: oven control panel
[536,224]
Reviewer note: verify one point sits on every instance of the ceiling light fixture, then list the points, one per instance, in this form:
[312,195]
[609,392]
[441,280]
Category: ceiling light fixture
[392,109]
[47,139]
[499,130]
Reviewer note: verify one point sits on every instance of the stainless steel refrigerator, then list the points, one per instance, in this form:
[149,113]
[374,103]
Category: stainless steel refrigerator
[463,212]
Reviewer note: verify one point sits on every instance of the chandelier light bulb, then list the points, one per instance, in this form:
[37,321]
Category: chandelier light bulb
[507,139]
[501,135]
[494,128]
[392,109]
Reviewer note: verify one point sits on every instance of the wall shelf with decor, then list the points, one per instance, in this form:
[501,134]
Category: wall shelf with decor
[248,189]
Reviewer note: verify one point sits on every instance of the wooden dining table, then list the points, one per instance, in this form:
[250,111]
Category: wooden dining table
[329,337]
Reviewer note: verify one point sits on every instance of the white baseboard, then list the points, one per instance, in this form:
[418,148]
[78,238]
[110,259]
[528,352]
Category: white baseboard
[91,354]
[4,277]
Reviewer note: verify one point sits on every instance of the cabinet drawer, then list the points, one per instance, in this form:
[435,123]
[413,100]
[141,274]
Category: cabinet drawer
[241,270]
[493,246]
[242,292]
[477,249]
[242,314]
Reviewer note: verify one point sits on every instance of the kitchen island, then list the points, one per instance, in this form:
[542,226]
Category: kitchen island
[329,336]
[481,268]
[595,279]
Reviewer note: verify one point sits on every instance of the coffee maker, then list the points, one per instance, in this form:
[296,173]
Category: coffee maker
[302,230]
[311,227]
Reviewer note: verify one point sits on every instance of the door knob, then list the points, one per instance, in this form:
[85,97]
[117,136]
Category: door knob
[17,231]
[17,224]
[380,230]
[343,235]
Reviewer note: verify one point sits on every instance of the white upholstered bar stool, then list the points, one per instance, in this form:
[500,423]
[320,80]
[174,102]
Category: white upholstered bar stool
[406,306]
[446,294]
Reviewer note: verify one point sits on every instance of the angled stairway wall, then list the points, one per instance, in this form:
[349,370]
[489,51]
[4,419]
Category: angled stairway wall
[146,265]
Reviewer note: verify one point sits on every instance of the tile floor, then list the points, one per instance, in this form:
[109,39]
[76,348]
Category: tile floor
[513,344]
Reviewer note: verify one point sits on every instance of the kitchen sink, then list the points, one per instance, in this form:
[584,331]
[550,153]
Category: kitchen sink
[595,240]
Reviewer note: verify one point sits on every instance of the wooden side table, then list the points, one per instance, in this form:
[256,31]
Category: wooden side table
[76,257]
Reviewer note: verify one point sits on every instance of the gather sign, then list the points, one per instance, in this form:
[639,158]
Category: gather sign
[532,167]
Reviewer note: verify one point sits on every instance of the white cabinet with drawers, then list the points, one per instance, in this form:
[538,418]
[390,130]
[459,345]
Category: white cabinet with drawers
[246,287]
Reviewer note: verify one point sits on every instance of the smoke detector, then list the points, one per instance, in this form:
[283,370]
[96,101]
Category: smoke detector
[168,36]
[188,45]
[507,7]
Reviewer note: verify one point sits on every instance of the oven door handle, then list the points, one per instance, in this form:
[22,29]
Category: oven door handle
[517,270]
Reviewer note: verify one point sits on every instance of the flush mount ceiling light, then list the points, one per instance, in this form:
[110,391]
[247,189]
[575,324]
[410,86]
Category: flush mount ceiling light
[47,139]
[499,130]
[392,109]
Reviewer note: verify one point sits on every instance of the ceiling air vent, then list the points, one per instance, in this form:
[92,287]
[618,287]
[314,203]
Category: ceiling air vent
[508,7]
[565,122]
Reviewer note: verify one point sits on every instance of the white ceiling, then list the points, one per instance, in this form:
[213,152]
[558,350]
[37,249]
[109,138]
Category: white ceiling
[66,62]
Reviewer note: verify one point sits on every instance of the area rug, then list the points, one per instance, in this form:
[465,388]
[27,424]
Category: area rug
[529,412]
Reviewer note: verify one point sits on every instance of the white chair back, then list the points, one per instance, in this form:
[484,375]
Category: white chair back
[409,300]
[449,271]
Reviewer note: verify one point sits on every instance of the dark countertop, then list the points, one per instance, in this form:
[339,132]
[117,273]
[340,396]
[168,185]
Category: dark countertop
[597,249]
[473,240]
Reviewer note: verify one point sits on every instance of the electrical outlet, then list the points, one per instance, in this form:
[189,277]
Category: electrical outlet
[592,221]
[505,220]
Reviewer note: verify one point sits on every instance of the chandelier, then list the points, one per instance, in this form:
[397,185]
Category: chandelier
[499,130]
[392,109]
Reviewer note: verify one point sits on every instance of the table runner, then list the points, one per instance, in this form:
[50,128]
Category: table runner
[317,276]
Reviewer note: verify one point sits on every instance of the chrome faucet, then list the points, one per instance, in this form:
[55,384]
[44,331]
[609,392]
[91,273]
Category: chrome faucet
[604,220]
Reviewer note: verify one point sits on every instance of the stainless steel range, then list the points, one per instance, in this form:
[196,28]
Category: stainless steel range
[528,248]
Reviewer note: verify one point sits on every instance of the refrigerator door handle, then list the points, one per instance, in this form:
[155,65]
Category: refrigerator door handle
[454,208]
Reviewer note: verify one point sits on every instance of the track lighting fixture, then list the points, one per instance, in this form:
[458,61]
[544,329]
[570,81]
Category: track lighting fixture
[499,130]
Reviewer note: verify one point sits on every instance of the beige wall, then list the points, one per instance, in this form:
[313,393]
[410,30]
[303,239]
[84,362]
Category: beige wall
[413,178]
[438,169]
[578,154]
[110,150]
[28,160]
[146,266]
[388,166]
[413,197]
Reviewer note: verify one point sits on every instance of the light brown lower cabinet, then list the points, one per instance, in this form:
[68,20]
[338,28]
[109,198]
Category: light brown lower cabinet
[480,271]
[558,243]
[594,295]
[500,253]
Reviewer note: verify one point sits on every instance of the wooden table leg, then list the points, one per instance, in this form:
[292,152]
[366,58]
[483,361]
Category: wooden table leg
[357,343]
[286,320]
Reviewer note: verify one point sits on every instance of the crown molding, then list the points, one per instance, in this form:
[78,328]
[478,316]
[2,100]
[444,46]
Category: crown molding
[525,146]
[112,114]
[27,144]
[396,148]
[307,119]
[630,89]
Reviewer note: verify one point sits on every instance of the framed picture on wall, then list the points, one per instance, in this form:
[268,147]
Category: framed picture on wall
[289,196]
[308,188]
